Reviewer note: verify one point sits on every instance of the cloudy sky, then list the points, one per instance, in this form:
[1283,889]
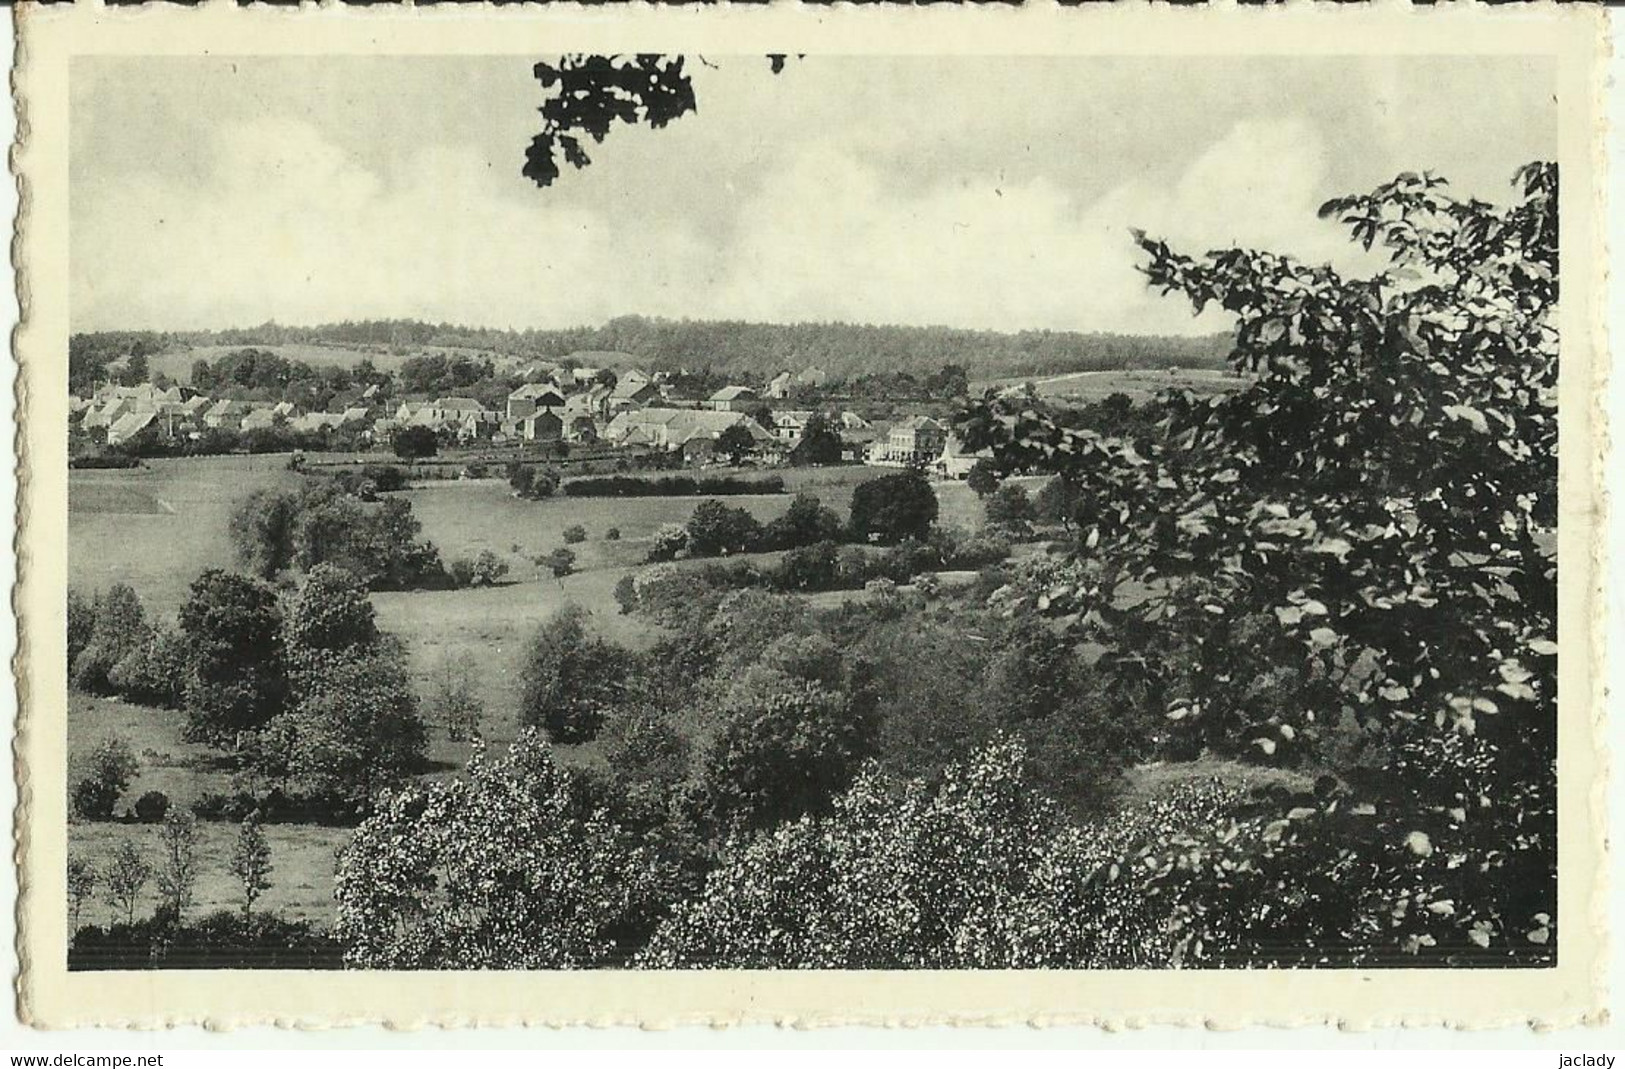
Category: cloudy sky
[978,192]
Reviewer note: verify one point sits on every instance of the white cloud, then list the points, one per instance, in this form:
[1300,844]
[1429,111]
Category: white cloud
[827,239]
[286,226]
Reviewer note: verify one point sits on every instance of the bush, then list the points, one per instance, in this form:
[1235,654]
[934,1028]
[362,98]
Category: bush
[574,534]
[385,478]
[716,528]
[670,541]
[810,568]
[561,561]
[612,535]
[104,776]
[154,672]
[414,443]
[672,486]
[626,594]
[222,940]
[119,627]
[151,807]
[806,523]
[485,570]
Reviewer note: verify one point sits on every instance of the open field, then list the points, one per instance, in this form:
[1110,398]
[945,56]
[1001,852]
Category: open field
[1088,386]
[157,527]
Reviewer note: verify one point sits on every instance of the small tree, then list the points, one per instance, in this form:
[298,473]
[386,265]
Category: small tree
[626,594]
[1010,509]
[104,777]
[358,730]
[81,625]
[453,698]
[820,442]
[570,676]
[236,682]
[805,523]
[574,534]
[562,562]
[717,528]
[251,861]
[81,886]
[1058,502]
[415,443]
[120,627]
[127,873]
[177,874]
[893,507]
[736,443]
[520,478]
[332,612]
[669,541]
[983,480]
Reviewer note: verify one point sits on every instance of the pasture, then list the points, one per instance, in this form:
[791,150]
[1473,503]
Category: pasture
[157,527]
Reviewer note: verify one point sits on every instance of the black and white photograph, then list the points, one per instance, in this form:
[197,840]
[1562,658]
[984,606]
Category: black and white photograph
[709,510]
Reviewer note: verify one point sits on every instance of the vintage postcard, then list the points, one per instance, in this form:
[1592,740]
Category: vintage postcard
[591,516]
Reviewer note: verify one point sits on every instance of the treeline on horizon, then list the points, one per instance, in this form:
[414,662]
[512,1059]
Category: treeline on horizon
[754,350]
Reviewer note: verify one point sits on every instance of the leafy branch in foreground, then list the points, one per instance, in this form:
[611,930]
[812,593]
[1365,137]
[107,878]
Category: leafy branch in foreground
[589,95]
[1349,568]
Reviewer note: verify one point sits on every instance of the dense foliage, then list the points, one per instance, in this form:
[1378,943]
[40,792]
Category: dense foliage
[500,868]
[1349,567]
[726,349]
[274,531]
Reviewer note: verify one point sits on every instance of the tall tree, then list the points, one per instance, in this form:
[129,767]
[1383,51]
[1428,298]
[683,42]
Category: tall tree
[236,682]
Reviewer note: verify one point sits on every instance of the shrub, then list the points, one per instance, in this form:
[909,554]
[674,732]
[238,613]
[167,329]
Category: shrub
[809,568]
[119,628]
[462,572]
[151,807]
[716,528]
[807,522]
[574,534]
[612,535]
[414,443]
[104,776]
[626,594]
[500,868]
[154,672]
[485,570]
[670,541]
[562,562]
[385,478]
[221,940]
